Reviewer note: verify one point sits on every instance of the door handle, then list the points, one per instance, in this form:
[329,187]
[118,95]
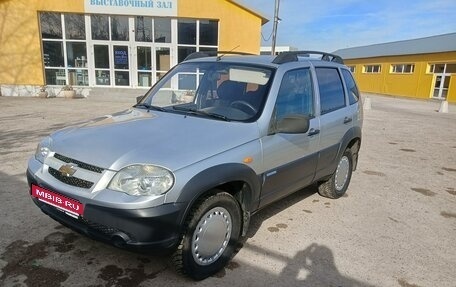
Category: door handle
[313,132]
[347,120]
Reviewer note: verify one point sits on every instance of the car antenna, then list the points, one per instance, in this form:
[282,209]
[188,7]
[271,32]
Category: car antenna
[220,57]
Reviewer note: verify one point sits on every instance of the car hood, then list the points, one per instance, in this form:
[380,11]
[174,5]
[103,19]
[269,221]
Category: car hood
[136,136]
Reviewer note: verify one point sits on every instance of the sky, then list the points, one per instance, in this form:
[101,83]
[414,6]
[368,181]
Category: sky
[328,25]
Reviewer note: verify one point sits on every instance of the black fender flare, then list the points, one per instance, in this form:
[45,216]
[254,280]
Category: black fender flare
[219,175]
[351,134]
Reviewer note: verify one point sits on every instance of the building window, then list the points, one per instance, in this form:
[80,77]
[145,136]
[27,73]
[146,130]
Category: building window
[442,68]
[372,69]
[402,68]
[75,26]
[208,32]
[186,32]
[51,25]
[162,30]
[143,29]
[351,68]
[196,35]
[119,28]
[64,51]
[100,27]
[53,53]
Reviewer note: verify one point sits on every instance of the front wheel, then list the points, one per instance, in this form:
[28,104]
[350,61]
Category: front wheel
[212,231]
[337,184]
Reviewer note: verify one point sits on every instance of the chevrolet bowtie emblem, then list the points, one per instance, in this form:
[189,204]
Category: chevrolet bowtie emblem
[67,169]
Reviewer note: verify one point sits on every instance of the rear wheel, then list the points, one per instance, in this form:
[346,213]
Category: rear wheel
[337,184]
[209,241]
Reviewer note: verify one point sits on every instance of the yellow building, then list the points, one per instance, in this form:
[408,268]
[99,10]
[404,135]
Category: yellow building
[113,43]
[422,68]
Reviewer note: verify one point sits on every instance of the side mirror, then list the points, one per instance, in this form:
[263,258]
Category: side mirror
[293,124]
[139,98]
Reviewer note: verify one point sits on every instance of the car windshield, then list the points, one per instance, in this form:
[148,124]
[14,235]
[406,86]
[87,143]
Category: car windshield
[216,90]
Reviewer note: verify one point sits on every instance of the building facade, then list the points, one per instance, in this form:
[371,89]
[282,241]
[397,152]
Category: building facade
[114,43]
[422,68]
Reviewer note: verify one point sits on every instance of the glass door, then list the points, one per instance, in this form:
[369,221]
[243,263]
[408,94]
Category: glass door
[442,82]
[120,54]
[162,62]
[144,59]
[102,65]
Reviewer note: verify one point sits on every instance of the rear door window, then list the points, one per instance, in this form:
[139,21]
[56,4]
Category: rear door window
[332,96]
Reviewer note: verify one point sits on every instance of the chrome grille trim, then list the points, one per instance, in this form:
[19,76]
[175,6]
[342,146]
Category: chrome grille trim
[80,164]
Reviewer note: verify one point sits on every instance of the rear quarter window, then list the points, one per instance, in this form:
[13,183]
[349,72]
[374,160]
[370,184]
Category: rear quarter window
[353,92]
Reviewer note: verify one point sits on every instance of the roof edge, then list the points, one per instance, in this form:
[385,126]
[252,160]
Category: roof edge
[400,41]
[242,5]
[414,46]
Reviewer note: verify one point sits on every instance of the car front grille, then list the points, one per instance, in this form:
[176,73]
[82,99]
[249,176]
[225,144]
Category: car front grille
[79,163]
[70,180]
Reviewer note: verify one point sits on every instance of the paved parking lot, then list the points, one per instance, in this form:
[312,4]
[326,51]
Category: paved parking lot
[395,227]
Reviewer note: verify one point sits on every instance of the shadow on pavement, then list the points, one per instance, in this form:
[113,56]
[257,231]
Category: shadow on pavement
[313,266]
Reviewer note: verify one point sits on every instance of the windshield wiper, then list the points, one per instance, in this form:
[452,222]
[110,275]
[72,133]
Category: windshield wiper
[201,113]
[150,107]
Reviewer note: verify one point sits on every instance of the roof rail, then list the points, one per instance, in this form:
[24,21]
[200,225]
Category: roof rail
[292,56]
[204,54]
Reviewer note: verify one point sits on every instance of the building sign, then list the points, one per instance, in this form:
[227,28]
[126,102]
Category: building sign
[121,57]
[132,7]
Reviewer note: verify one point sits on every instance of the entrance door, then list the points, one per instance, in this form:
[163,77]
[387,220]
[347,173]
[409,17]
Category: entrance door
[442,74]
[152,63]
[120,54]
[442,82]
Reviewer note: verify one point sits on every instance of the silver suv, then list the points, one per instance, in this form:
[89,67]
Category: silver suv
[214,141]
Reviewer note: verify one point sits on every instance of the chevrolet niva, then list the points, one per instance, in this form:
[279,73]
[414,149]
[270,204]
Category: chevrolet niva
[211,143]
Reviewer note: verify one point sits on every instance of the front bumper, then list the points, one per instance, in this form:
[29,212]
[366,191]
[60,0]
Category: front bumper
[155,227]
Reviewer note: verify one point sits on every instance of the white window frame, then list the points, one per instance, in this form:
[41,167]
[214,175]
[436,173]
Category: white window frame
[64,42]
[370,69]
[402,68]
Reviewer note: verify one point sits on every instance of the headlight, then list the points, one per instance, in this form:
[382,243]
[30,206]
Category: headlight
[43,150]
[142,180]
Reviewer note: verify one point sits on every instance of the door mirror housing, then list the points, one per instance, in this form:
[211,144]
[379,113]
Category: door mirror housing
[293,124]
[139,98]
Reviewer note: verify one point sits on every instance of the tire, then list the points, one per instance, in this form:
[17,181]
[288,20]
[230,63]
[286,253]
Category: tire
[337,184]
[210,237]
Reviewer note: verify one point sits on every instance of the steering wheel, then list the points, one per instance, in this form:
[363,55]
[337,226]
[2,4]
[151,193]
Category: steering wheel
[241,103]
